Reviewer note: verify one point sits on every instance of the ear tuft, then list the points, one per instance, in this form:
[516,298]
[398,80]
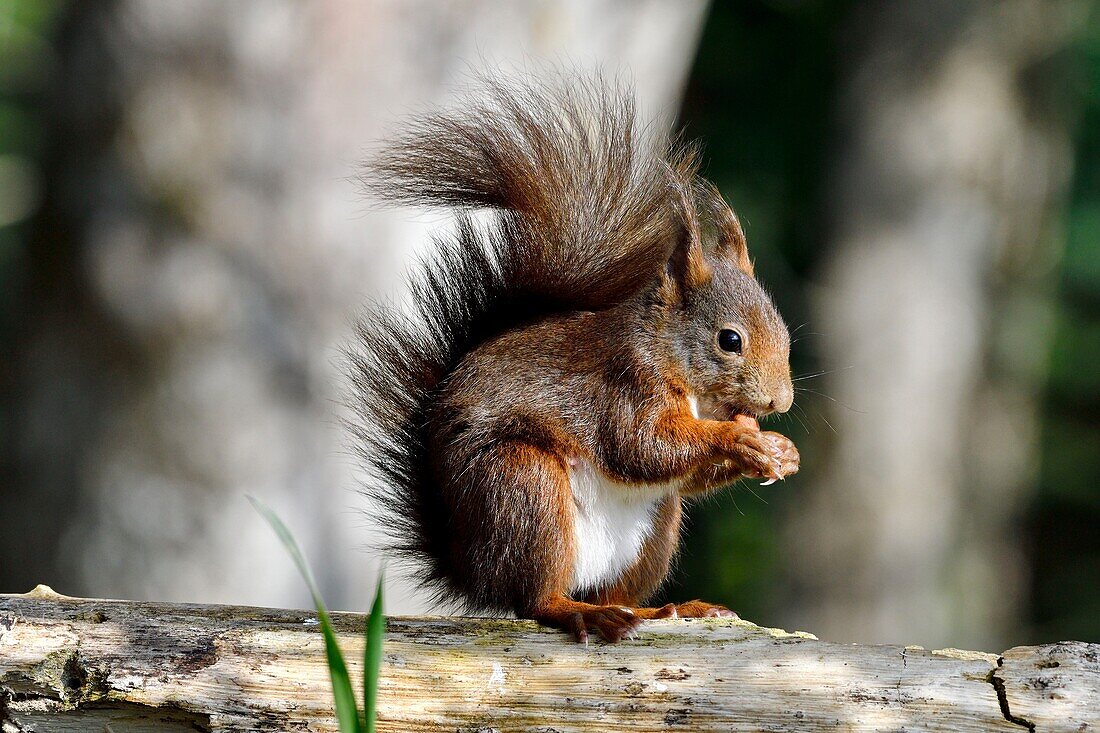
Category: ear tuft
[731,237]
[687,267]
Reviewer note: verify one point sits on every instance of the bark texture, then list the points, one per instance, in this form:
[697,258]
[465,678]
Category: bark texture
[70,664]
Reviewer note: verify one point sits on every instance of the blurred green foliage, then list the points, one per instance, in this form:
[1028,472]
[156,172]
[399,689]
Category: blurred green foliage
[26,65]
[1064,519]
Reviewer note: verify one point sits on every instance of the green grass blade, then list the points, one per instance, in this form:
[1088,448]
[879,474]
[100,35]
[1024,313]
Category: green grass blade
[292,548]
[346,713]
[372,657]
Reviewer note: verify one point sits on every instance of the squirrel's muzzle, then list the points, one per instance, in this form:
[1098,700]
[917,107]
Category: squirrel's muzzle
[782,397]
[776,397]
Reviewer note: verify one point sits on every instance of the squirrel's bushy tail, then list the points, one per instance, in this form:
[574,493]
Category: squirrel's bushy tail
[586,214]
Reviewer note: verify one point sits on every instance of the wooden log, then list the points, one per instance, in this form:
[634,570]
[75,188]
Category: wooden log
[69,664]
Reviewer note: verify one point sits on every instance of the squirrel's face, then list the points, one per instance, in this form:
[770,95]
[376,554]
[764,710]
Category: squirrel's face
[734,344]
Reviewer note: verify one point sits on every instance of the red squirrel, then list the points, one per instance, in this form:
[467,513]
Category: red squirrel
[571,369]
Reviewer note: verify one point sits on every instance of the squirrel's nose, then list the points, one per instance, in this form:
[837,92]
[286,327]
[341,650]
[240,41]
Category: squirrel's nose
[781,399]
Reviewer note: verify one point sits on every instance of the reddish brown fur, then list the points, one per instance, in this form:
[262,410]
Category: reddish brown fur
[574,330]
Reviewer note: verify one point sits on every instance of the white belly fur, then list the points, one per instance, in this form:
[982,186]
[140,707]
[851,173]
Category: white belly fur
[610,522]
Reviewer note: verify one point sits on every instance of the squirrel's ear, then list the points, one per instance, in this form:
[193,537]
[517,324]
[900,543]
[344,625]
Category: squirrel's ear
[731,237]
[687,267]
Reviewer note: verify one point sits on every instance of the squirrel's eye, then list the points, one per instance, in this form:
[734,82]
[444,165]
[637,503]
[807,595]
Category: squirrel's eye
[729,340]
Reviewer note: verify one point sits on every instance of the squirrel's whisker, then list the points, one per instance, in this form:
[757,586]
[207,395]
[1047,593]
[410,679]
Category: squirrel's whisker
[795,416]
[833,399]
[753,492]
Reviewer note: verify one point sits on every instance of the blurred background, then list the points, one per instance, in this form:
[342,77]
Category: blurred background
[183,250]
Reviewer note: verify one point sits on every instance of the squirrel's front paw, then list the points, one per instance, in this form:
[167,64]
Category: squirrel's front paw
[751,453]
[785,453]
[759,454]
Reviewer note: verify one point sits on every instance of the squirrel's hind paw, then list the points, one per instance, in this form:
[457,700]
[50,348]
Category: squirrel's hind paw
[702,609]
[612,623]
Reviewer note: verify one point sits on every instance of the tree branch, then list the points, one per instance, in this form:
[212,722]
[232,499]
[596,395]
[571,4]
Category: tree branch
[69,664]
